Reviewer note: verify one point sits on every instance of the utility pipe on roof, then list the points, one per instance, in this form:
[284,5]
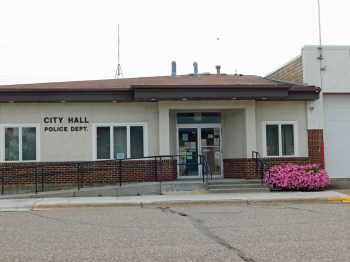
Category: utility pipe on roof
[195,65]
[173,68]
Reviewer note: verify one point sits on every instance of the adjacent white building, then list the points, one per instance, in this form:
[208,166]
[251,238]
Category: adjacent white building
[329,68]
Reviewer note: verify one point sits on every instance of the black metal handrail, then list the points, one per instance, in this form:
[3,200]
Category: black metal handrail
[263,169]
[80,168]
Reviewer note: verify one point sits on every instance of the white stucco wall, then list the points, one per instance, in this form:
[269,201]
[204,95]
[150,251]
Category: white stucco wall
[234,134]
[241,124]
[77,145]
[283,111]
[334,79]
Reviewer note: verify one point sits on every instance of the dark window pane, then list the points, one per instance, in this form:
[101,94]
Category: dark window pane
[28,143]
[136,141]
[287,140]
[11,144]
[119,134]
[103,143]
[199,118]
[272,140]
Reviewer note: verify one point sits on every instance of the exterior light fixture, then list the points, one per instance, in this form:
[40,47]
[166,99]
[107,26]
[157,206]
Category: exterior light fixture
[234,98]
[114,101]
[11,101]
[184,99]
[264,98]
[63,101]
[153,99]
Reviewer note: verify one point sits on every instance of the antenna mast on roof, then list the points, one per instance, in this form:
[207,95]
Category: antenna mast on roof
[119,68]
[319,22]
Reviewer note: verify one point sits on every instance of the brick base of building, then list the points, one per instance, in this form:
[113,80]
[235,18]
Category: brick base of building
[245,168]
[146,170]
[315,146]
[132,171]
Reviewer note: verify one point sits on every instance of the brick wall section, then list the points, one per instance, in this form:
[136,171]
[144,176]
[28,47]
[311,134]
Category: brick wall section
[245,168]
[290,72]
[132,171]
[315,146]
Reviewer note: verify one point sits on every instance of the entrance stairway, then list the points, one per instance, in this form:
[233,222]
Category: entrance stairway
[237,186]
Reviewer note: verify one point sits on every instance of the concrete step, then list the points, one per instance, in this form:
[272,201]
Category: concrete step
[228,186]
[235,182]
[238,190]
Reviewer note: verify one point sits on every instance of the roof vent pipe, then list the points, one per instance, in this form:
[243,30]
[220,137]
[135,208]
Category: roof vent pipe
[195,65]
[218,69]
[173,68]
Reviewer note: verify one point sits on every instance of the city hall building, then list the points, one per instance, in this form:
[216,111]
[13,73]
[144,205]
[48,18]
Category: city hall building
[224,117]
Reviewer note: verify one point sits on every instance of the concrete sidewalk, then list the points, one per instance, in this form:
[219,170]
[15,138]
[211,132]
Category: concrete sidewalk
[282,197]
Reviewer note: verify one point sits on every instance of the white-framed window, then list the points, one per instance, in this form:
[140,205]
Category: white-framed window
[280,139]
[117,141]
[20,142]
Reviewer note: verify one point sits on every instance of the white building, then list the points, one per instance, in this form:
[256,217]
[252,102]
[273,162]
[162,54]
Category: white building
[329,68]
[224,117]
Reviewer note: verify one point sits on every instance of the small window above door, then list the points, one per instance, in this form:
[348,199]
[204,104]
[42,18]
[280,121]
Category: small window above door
[199,118]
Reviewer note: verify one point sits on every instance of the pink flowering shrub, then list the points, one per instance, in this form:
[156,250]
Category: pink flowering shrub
[306,177]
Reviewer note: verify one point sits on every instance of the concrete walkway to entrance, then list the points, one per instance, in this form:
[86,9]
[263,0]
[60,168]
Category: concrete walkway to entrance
[151,194]
[283,197]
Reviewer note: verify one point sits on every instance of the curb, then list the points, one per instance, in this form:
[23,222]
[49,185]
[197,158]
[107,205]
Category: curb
[195,203]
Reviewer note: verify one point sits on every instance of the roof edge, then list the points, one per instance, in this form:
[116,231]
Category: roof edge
[325,47]
[286,81]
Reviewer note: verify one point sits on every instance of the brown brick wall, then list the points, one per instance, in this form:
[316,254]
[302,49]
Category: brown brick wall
[290,72]
[245,168]
[132,171]
[315,146]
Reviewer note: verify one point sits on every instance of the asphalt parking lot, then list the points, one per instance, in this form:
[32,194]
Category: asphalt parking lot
[291,232]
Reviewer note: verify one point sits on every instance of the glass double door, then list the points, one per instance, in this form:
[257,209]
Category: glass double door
[194,141]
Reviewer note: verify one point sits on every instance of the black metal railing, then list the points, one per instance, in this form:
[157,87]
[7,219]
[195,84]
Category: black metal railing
[41,172]
[259,164]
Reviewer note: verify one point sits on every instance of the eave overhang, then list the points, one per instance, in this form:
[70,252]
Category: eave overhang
[30,96]
[246,92]
[145,93]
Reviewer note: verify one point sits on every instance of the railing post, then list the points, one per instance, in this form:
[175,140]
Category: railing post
[78,167]
[202,162]
[2,182]
[155,169]
[82,178]
[256,167]
[160,169]
[120,173]
[36,180]
[42,180]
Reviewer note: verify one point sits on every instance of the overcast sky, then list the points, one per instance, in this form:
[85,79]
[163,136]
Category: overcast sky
[46,41]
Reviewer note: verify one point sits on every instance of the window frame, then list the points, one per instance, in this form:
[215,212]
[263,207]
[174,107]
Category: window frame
[279,124]
[111,126]
[20,126]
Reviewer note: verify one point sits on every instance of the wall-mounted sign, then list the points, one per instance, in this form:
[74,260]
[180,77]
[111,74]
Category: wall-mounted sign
[68,120]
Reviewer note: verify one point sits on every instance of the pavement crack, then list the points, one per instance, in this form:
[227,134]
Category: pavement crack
[205,231]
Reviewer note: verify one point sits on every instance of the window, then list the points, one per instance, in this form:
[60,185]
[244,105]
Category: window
[20,143]
[199,118]
[280,139]
[120,141]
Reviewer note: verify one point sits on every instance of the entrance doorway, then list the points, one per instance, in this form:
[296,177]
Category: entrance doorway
[199,140]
